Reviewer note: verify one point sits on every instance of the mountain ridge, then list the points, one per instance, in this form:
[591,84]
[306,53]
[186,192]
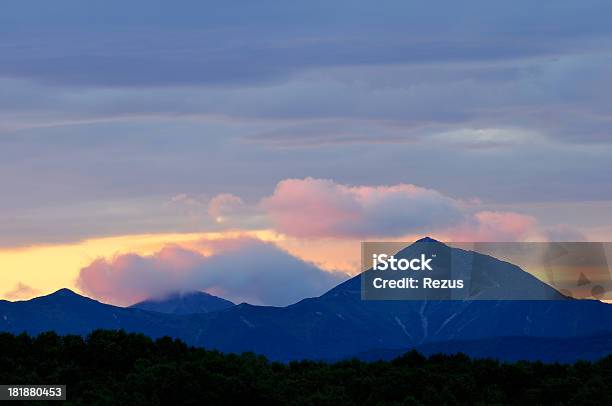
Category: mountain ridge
[334,325]
[185,303]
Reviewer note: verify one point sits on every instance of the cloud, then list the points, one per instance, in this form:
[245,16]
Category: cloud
[330,132]
[322,208]
[223,205]
[157,45]
[104,113]
[21,291]
[496,226]
[242,269]
[499,68]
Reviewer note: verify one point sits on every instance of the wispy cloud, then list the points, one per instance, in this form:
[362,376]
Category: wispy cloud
[21,291]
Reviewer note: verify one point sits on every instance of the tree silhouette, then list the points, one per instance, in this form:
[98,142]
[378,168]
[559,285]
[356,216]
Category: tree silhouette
[117,368]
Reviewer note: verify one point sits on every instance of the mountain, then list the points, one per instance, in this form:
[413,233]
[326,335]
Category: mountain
[185,303]
[339,323]
[69,313]
[485,277]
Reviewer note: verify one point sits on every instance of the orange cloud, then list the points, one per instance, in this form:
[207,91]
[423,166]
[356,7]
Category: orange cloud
[21,291]
[50,267]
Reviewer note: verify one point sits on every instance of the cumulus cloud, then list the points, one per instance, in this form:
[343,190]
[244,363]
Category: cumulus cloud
[241,269]
[322,208]
[21,291]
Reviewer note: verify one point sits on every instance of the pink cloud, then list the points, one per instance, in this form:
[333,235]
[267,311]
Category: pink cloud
[495,226]
[313,208]
[320,208]
[242,269]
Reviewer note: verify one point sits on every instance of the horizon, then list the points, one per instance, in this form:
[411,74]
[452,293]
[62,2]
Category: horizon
[571,280]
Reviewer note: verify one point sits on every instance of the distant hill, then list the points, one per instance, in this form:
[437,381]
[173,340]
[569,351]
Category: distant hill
[338,324]
[185,303]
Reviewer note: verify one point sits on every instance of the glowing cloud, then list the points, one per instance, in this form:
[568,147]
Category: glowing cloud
[319,208]
[314,208]
[21,291]
[496,226]
[241,269]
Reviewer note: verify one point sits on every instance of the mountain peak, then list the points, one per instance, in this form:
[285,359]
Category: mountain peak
[64,293]
[427,239]
[65,296]
[185,303]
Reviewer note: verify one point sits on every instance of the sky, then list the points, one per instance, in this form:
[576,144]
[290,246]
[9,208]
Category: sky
[149,145]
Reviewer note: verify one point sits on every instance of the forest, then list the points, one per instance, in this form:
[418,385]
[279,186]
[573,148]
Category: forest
[110,367]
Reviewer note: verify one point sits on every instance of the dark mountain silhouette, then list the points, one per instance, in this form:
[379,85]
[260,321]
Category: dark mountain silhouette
[486,277]
[185,303]
[339,323]
[67,312]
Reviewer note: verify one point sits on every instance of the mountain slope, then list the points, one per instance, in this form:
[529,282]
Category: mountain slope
[185,303]
[340,323]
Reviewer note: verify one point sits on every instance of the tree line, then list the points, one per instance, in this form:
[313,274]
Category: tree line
[117,368]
